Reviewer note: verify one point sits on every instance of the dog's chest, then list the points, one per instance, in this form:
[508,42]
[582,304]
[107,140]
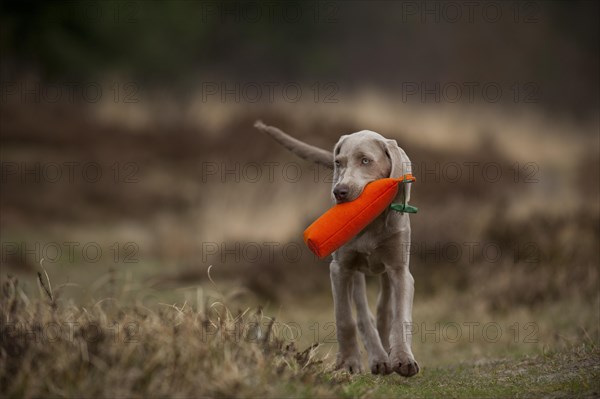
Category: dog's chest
[365,243]
[373,242]
[366,246]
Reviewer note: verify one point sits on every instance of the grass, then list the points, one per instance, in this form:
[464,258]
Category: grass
[572,372]
[54,347]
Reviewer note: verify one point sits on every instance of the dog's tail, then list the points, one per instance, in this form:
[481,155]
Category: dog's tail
[303,150]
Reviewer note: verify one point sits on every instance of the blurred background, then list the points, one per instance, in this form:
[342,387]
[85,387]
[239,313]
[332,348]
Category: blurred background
[129,159]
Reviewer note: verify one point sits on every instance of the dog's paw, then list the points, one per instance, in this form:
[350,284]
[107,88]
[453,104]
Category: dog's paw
[404,364]
[350,363]
[380,365]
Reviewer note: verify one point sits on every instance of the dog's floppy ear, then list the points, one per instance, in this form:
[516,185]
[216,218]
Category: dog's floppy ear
[338,145]
[400,166]
[336,151]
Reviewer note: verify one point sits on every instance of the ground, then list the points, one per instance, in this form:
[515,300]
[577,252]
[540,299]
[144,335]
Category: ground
[114,347]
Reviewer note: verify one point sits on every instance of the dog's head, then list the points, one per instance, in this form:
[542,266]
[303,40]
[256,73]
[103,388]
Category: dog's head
[362,157]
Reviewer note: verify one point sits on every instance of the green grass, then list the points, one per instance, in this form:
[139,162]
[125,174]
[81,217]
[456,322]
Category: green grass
[574,372]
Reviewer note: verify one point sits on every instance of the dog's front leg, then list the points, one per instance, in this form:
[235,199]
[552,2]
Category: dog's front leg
[384,311]
[341,284]
[401,357]
[378,357]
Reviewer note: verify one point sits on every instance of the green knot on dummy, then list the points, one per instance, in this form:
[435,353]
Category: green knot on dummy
[404,208]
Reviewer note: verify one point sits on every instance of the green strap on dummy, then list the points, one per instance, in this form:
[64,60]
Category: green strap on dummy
[403,206]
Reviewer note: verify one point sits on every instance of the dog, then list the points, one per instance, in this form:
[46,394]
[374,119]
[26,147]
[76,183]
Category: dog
[382,248]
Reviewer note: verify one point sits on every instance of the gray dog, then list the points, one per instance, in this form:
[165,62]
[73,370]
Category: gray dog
[382,248]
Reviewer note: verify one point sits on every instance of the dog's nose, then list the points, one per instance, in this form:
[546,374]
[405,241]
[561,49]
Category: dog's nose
[340,192]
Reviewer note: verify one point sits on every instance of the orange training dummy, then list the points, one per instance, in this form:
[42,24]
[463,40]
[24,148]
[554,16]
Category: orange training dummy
[343,221]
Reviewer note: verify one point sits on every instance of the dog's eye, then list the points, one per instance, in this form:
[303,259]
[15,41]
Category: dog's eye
[365,161]
[337,163]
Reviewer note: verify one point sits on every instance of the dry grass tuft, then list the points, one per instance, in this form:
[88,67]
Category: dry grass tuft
[110,349]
